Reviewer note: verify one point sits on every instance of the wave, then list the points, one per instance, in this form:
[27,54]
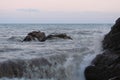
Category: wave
[9,49]
[50,60]
[52,67]
[16,38]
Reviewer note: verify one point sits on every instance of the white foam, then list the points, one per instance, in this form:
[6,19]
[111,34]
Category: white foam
[23,79]
[97,49]
[86,44]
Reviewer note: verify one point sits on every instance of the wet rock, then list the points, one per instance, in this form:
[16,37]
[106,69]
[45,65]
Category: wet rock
[60,35]
[36,68]
[112,39]
[23,68]
[106,66]
[39,62]
[11,69]
[29,38]
[40,36]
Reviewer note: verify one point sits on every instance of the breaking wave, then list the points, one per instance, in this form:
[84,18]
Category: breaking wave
[51,60]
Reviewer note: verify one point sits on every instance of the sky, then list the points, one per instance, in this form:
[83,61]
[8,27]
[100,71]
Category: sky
[59,11]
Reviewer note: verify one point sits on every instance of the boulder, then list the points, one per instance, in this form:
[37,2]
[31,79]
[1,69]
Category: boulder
[12,69]
[29,38]
[23,68]
[60,35]
[106,66]
[40,36]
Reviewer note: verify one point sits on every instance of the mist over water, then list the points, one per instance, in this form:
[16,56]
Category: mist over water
[56,59]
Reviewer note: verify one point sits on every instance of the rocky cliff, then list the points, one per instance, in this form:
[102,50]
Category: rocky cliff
[106,66]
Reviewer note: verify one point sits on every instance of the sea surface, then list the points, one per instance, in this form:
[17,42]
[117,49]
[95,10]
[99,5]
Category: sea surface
[68,58]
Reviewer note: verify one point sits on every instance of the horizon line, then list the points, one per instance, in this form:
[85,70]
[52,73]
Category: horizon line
[57,23]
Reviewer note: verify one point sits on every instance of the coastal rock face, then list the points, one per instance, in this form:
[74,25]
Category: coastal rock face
[106,66]
[112,39]
[40,36]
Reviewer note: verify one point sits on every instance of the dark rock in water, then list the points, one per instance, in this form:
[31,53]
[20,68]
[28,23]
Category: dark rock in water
[29,38]
[35,35]
[23,68]
[56,35]
[11,69]
[40,36]
[36,68]
[106,66]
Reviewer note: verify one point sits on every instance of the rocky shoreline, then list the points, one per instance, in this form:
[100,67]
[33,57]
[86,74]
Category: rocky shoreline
[106,66]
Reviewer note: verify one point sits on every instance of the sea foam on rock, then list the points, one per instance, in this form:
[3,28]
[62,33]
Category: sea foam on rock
[49,67]
[106,66]
[19,68]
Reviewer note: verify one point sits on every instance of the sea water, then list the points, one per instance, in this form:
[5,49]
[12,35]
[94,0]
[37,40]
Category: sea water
[70,56]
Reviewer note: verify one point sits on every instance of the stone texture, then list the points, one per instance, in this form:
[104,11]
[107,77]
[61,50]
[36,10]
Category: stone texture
[106,66]
[40,36]
[60,35]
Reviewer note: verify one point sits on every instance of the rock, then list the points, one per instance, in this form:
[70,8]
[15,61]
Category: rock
[23,68]
[106,66]
[29,38]
[40,36]
[11,69]
[60,35]
[111,40]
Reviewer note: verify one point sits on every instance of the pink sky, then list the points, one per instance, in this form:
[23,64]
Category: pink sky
[58,11]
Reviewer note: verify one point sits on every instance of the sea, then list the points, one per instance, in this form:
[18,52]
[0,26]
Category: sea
[68,58]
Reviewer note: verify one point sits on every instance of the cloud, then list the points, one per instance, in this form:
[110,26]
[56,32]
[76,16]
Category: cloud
[27,10]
